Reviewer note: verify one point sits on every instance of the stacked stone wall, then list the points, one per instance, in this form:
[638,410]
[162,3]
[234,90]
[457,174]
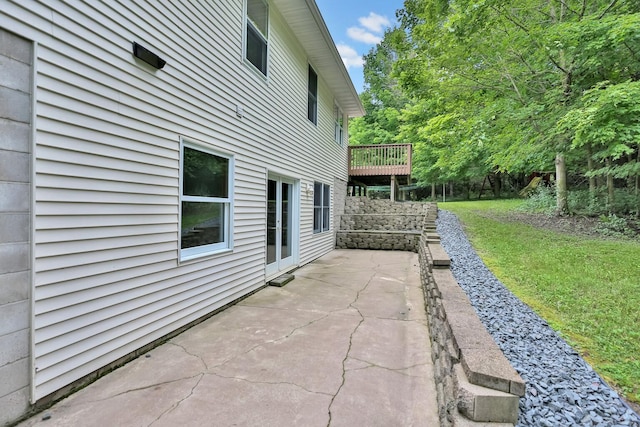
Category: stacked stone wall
[388,222]
[381,224]
[378,240]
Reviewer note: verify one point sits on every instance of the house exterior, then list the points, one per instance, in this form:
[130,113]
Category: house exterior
[158,161]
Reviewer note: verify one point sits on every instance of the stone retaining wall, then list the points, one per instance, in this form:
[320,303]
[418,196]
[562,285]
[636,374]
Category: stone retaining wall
[396,222]
[475,383]
[379,240]
[365,205]
[381,224]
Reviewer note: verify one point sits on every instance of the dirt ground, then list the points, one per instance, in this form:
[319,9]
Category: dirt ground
[574,224]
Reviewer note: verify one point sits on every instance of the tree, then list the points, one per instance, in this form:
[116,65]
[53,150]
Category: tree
[506,72]
[381,98]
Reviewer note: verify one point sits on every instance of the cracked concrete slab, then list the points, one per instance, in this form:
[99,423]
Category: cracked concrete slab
[381,397]
[377,342]
[219,401]
[346,343]
[310,358]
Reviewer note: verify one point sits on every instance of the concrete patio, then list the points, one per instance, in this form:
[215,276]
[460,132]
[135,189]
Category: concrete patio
[344,344]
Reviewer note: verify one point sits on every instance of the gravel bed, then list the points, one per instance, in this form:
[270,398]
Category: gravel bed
[562,389]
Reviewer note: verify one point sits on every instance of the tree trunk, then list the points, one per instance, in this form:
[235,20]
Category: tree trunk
[562,205]
[433,192]
[610,187]
[592,179]
[496,185]
[451,189]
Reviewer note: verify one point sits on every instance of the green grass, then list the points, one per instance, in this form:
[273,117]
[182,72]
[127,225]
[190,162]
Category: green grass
[587,289]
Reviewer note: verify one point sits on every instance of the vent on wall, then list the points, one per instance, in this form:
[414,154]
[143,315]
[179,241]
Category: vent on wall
[147,56]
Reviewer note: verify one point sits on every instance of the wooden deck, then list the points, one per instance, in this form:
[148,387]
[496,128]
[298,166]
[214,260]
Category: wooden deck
[380,160]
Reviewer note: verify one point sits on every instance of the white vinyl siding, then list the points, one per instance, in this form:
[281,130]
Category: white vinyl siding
[107,168]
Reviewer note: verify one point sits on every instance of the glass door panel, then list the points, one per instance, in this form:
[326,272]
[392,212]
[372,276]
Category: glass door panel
[272,215]
[281,224]
[285,208]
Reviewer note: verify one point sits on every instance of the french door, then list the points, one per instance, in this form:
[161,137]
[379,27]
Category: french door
[282,224]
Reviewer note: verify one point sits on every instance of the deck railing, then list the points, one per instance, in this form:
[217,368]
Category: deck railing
[387,159]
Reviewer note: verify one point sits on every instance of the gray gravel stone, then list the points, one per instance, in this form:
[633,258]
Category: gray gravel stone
[562,389]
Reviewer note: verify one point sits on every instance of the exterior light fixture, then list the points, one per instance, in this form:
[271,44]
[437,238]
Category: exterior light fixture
[147,56]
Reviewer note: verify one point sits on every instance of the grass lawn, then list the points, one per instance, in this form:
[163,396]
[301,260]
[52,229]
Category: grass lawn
[587,289]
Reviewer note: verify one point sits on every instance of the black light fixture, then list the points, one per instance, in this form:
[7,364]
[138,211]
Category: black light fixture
[147,56]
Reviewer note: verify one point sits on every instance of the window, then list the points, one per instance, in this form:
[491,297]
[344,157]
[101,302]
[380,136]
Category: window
[205,202]
[257,34]
[312,110]
[338,117]
[321,207]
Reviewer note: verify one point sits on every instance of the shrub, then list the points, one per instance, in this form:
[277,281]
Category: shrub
[541,200]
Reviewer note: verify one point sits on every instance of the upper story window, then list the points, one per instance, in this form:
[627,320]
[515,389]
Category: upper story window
[312,109]
[257,34]
[205,201]
[339,128]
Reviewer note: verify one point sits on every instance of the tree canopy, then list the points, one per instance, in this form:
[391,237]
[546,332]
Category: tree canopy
[515,86]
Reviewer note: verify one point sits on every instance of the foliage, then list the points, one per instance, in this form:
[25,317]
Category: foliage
[541,200]
[582,202]
[485,86]
[382,98]
[587,289]
[615,226]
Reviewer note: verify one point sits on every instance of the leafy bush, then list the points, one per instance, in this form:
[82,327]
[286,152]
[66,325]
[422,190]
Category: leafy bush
[614,226]
[541,200]
[582,202]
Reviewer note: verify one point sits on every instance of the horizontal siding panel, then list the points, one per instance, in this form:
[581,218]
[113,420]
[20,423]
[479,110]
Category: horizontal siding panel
[150,277]
[65,249]
[66,222]
[79,209]
[79,271]
[100,196]
[51,168]
[52,320]
[54,182]
[60,234]
[89,259]
[100,162]
[130,139]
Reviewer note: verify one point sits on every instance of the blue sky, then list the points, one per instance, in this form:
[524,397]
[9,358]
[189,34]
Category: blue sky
[356,26]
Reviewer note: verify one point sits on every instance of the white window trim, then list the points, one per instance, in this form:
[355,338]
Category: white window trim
[245,22]
[322,207]
[227,244]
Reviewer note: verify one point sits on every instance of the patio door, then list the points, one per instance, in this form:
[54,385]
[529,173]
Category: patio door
[282,224]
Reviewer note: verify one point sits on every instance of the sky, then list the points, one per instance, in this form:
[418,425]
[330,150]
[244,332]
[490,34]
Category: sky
[356,26]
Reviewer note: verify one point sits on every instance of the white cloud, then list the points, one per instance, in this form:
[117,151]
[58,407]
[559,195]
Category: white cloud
[362,35]
[374,22]
[349,56]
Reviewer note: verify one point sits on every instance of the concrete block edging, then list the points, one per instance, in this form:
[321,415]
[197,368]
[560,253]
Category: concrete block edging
[479,383]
